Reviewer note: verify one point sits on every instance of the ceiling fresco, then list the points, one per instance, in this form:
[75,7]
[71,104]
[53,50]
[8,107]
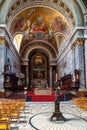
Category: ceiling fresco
[39,23]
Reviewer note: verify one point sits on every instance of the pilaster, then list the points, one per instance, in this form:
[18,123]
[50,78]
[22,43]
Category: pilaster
[2,64]
[78,60]
[85,58]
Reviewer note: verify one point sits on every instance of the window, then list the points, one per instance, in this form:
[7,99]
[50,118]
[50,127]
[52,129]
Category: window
[17,41]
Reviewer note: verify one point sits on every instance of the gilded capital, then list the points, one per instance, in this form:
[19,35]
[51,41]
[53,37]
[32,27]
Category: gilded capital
[2,40]
[76,43]
[73,45]
[79,42]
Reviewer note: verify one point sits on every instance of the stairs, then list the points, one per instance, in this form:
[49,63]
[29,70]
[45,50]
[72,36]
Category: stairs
[19,95]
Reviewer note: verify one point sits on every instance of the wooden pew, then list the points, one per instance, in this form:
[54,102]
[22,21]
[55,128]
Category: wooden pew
[68,84]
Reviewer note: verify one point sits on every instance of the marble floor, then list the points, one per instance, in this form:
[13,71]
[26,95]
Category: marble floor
[36,116]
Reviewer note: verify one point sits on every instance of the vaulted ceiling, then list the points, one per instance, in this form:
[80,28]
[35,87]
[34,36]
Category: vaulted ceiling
[49,21]
[39,23]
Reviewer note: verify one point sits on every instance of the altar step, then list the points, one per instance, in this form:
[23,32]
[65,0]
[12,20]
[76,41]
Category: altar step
[30,96]
[47,98]
[20,95]
[40,98]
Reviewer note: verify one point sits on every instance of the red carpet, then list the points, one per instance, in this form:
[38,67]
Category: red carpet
[40,98]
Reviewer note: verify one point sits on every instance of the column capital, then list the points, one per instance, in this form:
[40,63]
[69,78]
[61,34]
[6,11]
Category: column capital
[4,41]
[50,65]
[78,41]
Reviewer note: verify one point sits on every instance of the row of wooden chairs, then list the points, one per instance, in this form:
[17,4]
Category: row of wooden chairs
[10,110]
[81,102]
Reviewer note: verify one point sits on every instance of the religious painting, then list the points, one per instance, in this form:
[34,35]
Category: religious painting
[59,24]
[39,66]
[39,62]
[39,21]
[39,74]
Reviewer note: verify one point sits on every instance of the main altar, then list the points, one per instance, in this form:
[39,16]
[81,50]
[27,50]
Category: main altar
[39,83]
[40,87]
[43,91]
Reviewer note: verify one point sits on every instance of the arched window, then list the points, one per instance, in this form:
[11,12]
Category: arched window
[17,41]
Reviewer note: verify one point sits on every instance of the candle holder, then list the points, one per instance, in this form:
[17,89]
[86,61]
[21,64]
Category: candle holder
[57,115]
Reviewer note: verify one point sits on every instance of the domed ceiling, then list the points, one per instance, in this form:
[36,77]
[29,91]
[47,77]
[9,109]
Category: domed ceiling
[39,23]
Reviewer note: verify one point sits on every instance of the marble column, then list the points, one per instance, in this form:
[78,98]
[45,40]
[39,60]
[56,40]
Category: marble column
[2,63]
[81,65]
[50,76]
[27,75]
[73,62]
[85,58]
[78,60]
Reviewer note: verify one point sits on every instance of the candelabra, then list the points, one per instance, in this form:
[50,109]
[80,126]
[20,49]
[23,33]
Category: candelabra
[57,115]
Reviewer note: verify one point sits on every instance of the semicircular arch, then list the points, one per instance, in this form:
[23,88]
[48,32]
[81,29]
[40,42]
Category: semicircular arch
[48,51]
[38,45]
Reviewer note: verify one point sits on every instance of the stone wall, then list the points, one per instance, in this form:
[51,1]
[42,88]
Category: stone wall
[2,63]
[72,58]
[7,51]
[65,64]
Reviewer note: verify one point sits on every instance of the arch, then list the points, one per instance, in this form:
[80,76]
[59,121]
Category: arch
[46,47]
[62,7]
[28,51]
[60,39]
[12,7]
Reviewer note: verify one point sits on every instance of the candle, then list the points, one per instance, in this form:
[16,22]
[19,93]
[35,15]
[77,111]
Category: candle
[56,77]
[77,77]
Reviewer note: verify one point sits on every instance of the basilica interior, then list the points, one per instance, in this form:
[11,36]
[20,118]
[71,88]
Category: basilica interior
[43,61]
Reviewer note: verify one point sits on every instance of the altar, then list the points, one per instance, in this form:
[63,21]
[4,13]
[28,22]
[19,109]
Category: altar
[43,91]
[39,83]
[40,87]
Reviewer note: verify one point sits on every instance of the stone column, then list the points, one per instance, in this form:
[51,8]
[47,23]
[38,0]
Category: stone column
[27,75]
[80,67]
[78,60]
[73,62]
[85,58]
[50,76]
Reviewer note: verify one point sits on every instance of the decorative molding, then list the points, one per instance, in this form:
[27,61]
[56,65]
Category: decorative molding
[53,62]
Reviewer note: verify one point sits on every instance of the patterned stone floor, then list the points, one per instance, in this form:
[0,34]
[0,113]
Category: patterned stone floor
[36,117]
